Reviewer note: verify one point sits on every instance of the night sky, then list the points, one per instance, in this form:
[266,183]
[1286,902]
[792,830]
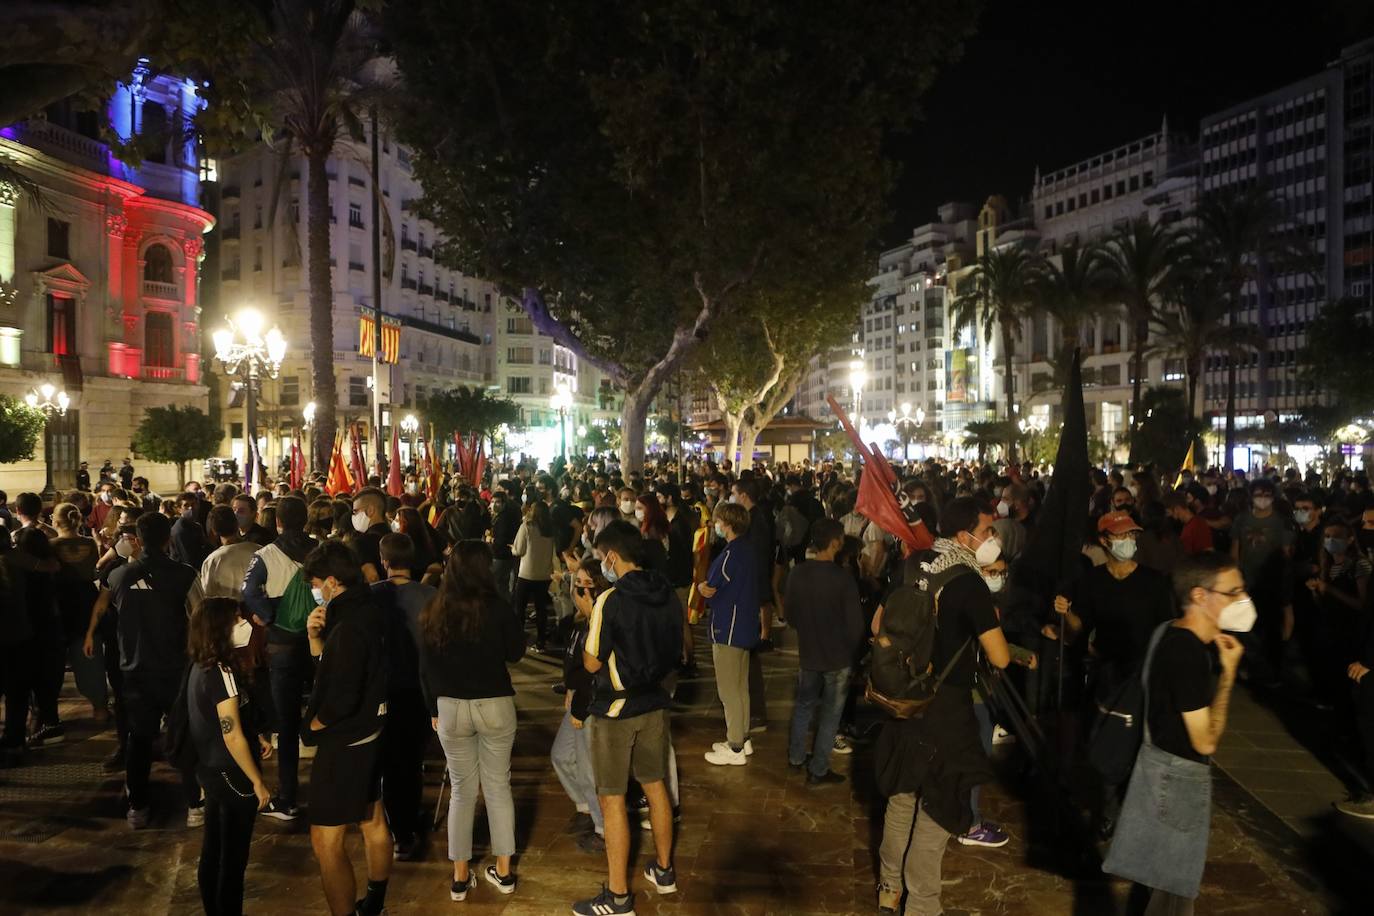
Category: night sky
[1051,83]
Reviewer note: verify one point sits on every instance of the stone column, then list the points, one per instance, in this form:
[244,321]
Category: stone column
[116,227]
[9,200]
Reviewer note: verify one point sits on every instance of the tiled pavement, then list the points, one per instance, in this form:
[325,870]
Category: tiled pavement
[753,840]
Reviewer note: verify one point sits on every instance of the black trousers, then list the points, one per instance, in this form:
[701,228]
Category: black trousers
[16,680]
[149,698]
[115,675]
[50,661]
[1364,723]
[403,751]
[228,829]
[527,590]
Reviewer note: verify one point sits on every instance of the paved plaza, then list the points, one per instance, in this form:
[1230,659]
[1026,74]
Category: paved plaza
[753,840]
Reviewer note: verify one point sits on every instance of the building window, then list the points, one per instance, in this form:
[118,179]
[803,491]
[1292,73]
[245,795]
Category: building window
[355,215]
[157,264]
[1135,182]
[520,355]
[157,340]
[59,238]
[61,325]
[257,257]
[357,391]
[290,390]
[518,384]
[519,326]
[257,217]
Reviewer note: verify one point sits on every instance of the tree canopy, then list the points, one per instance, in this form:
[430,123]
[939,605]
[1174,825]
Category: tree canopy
[630,171]
[465,411]
[1336,357]
[177,435]
[20,427]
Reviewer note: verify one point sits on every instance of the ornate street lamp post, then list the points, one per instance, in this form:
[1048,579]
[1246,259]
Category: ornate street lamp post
[410,426]
[53,402]
[308,424]
[561,400]
[244,350]
[906,424]
[858,378]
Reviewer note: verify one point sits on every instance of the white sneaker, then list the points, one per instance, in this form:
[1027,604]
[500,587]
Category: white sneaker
[727,757]
[1001,736]
[195,817]
[725,746]
[842,746]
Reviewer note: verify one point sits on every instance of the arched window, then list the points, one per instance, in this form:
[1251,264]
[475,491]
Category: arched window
[157,264]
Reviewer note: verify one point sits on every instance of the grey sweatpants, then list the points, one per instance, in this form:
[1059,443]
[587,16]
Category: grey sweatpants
[912,857]
[732,683]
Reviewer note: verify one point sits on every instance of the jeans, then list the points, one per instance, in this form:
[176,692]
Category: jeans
[527,590]
[228,832]
[572,761]
[403,752]
[980,712]
[477,736]
[912,856]
[827,689]
[501,570]
[732,683]
[288,666]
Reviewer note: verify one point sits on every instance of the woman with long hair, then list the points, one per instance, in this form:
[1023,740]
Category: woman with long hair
[224,727]
[467,638]
[76,594]
[534,546]
[319,523]
[427,550]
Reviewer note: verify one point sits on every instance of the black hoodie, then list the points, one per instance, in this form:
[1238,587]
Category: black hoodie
[636,632]
[349,696]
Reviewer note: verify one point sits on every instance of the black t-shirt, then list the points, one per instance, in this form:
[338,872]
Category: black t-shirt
[1121,614]
[965,612]
[562,514]
[1180,681]
[368,546]
[206,689]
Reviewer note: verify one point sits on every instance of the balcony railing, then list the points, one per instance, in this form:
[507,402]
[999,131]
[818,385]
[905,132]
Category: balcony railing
[230,232]
[157,290]
[408,245]
[164,373]
[356,265]
[407,283]
[426,290]
[441,295]
[426,252]
[356,181]
[230,192]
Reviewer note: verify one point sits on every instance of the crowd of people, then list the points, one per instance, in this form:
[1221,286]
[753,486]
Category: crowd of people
[247,629]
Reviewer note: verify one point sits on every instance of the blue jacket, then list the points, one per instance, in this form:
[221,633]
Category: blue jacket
[735,605]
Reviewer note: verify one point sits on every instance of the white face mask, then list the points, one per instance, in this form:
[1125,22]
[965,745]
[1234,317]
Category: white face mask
[988,551]
[1004,508]
[318,595]
[396,524]
[639,515]
[1263,503]
[995,582]
[1211,489]
[243,631]
[1302,516]
[1238,616]
[1123,549]
[124,548]
[360,521]
[626,507]
[720,531]
[106,497]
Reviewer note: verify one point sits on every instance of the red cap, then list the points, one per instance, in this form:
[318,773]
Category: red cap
[1117,523]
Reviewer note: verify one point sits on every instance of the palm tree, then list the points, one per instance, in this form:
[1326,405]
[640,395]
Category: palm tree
[314,56]
[1193,320]
[986,434]
[1138,261]
[1250,238]
[1072,292]
[998,294]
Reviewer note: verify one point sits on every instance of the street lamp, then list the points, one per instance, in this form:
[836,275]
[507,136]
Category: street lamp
[410,426]
[243,349]
[561,400]
[858,377]
[905,424]
[52,402]
[308,423]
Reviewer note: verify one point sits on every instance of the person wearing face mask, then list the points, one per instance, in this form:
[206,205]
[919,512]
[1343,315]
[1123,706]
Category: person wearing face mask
[370,525]
[505,525]
[534,546]
[1013,523]
[571,753]
[1262,546]
[224,725]
[625,502]
[1338,590]
[1195,535]
[345,717]
[731,592]
[1161,839]
[188,537]
[245,510]
[277,595]
[1119,604]
[915,837]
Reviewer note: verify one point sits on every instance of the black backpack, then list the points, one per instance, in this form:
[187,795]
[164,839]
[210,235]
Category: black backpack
[900,678]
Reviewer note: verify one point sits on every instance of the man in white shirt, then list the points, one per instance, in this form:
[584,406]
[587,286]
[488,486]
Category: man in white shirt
[222,573]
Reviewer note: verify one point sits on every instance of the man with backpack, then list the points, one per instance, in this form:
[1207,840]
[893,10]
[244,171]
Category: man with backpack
[930,632]
[150,596]
[278,595]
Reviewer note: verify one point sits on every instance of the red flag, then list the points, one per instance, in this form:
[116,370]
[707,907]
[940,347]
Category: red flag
[297,464]
[880,462]
[876,501]
[479,463]
[359,464]
[339,480]
[394,485]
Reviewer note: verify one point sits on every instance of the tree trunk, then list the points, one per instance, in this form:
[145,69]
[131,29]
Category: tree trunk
[1142,329]
[321,306]
[1008,391]
[1231,387]
[181,475]
[732,424]
[634,415]
[748,436]
[1194,374]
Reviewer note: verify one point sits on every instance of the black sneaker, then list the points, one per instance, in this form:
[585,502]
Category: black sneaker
[606,904]
[407,849]
[580,823]
[505,885]
[828,778]
[47,736]
[560,689]
[592,843]
[638,802]
[664,880]
[276,808]
[458,891]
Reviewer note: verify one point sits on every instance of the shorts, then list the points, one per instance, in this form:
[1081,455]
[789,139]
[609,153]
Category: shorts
[639,743]
[344,783]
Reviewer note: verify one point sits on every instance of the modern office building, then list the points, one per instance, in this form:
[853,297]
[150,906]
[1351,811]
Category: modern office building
[1311,145]
[99,273]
